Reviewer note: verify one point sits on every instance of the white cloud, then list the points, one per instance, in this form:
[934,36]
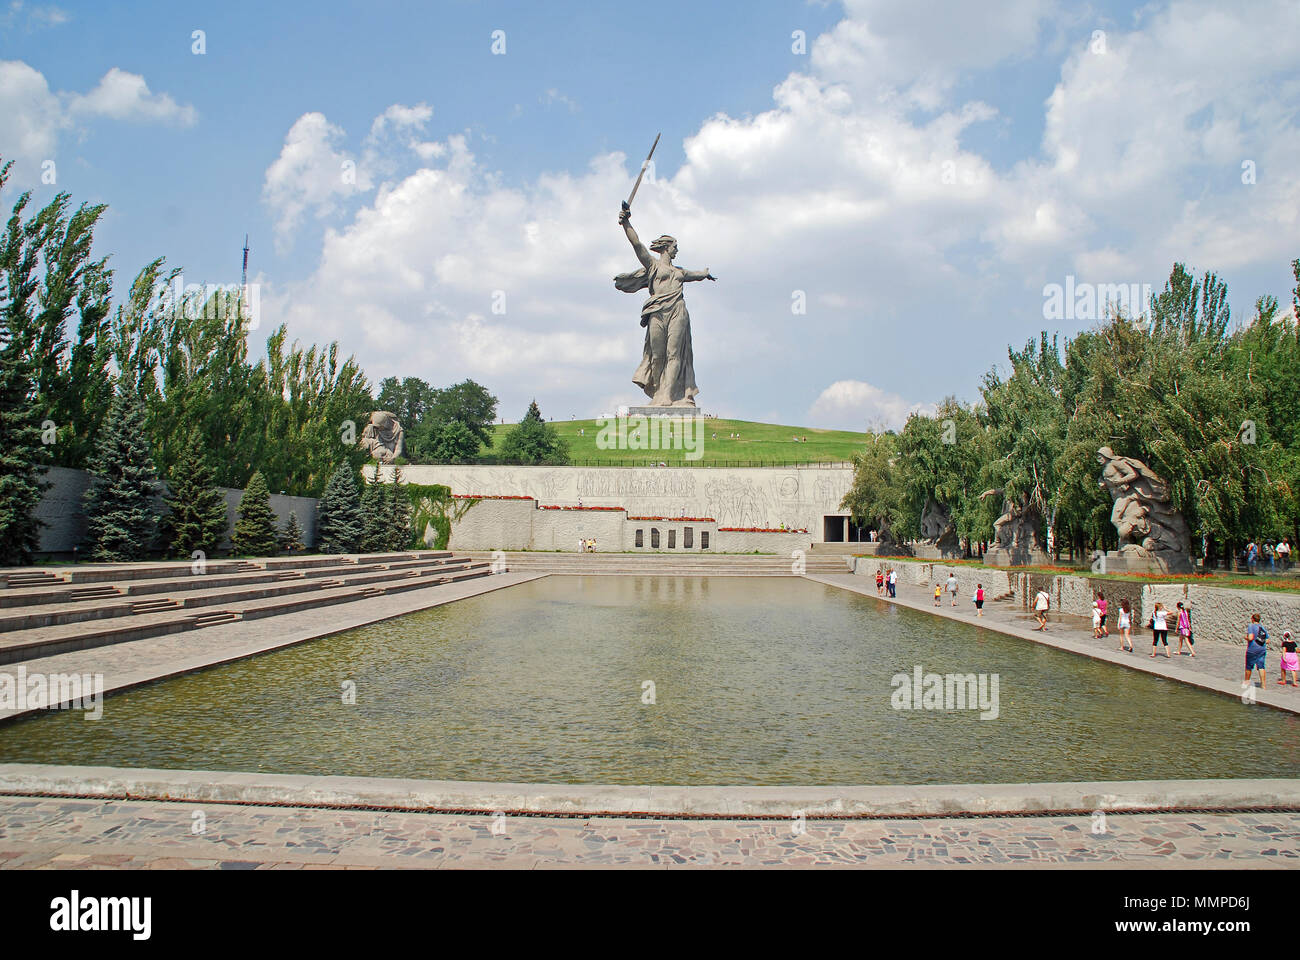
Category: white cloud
[33,118]
[126,96]
[30,118]
[311,175]
[855,404]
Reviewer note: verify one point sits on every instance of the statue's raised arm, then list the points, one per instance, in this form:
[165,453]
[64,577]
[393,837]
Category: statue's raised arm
[642,254]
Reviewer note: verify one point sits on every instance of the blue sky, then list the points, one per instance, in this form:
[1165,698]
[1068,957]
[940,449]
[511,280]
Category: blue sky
[917,175]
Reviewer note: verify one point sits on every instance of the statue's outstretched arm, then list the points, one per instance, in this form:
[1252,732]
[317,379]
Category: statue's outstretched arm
[697,275]
[642,254]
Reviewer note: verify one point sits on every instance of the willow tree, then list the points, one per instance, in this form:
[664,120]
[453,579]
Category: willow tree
[876,496]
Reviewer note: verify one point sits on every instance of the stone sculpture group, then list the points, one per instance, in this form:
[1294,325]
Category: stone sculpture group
[383,437]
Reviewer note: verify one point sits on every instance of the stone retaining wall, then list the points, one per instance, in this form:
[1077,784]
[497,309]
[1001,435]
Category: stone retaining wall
[1218,613]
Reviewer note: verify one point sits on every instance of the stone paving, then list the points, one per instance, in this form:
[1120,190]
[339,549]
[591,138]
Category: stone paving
[43,833]
[1217,665]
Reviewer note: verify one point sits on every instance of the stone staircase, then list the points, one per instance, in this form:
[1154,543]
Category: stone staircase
[664,564]
[43,613]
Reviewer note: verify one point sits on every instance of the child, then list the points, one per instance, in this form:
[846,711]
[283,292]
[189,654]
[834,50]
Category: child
[1185,630]
[880,582]
[1096,621]
[1290,660]
[1101,605]
[1125,625]
[938,594]
[979,599]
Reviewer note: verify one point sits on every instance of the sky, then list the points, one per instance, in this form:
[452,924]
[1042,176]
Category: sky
[887,192]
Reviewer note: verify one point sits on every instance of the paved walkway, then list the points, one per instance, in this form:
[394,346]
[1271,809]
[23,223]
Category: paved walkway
[1217,665]
[141,661]
[80,834]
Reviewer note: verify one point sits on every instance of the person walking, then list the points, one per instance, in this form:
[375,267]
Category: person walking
[1252,557]
[880,582]
[1290,660]
[1185,630]
[1125,625]
[979,599]
[938,594]
[1101,607]
[952,587]
[1160,630]
[1096,621]
[1042,603]
[893,583]
[1256,651]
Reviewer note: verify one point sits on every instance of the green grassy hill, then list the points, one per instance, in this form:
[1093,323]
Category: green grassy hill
[756,442]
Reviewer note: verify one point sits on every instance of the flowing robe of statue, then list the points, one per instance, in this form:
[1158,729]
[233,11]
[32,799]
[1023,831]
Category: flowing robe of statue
[667,369]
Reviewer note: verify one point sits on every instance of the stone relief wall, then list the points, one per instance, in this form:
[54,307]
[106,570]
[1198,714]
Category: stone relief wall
[735,497]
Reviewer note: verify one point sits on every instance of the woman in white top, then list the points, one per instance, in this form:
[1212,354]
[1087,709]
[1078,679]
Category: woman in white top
[1160,629]
[1125,625]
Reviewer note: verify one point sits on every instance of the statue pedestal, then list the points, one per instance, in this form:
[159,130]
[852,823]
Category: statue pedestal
[1017,557]
[1118,561]
[673,412]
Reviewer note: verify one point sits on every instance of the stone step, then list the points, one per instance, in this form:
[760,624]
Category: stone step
[25,644]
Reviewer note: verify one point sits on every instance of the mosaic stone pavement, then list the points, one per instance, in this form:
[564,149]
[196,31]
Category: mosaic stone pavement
[89,834]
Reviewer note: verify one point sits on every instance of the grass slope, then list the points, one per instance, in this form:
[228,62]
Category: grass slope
[756,442]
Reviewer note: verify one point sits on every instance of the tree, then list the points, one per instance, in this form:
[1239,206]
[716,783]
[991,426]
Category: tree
[467,403]
[121,516]
[374,518]
[534,441]
[338,518]
[197,514]
[450,442]
[255,530]
[21,451]
[398,515]
[876,496]
[291,537]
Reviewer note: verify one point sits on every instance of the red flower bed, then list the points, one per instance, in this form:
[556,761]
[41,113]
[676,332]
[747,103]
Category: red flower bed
[481,496]
[558,507]
[757,530]
[679,519]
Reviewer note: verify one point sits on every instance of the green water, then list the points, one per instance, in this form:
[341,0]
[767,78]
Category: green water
[756,681]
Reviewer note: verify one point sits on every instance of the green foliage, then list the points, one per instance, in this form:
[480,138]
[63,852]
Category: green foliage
[338,514]
[447,425]
[374,518]
[291,536]
[256,534]
[196,515]
[534,441]
[877,495]
[944,455]
[21,452]
[429,506]
[121,516]
[397,514]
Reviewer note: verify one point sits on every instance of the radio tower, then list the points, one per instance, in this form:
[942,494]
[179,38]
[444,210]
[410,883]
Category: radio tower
[244,280]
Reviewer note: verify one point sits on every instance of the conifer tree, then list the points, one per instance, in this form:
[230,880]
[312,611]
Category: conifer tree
[374,518]
[291,537]
[121,509]
[338,514]
[197,514]
[399,514]
[255,530]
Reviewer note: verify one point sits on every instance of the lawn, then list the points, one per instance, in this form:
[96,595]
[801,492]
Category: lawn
[755,443]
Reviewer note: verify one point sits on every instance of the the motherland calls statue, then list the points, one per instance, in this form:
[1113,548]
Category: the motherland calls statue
[1152,534]
[667,370]
[383,437]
